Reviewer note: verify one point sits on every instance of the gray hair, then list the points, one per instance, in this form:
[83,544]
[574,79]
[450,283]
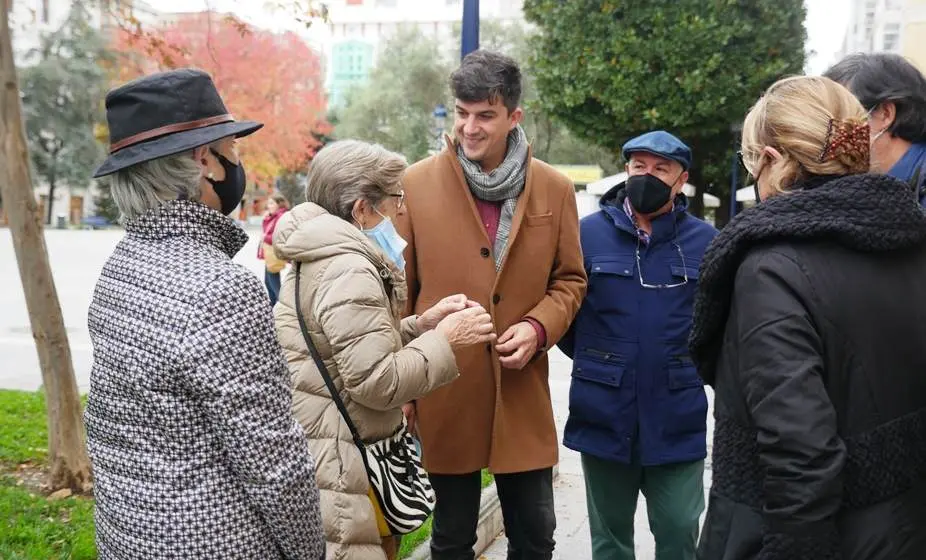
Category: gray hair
[346,171]
[148,185]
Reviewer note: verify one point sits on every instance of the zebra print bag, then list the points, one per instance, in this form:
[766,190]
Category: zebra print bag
[393,465]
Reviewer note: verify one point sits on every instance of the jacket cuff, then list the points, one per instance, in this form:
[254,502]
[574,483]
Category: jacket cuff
[442,363]
[409,329]
[819,541]
[541,333]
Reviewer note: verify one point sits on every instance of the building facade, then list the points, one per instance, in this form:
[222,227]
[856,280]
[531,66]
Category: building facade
[358,30]
[896,26]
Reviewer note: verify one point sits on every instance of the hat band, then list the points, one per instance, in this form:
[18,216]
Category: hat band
[169,129]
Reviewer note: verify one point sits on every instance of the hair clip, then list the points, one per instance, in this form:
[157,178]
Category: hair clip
[845,137]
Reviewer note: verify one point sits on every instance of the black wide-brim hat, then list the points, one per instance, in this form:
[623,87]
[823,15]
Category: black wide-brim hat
[165,114]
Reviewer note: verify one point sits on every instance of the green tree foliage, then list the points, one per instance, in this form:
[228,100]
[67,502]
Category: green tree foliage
[104,203]
[394,107]
[63,86]
[551,139]
[612,69]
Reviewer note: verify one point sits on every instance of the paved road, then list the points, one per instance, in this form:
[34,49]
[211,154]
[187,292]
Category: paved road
[77,258]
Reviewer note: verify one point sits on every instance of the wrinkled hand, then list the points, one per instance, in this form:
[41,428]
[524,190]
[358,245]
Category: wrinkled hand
[450,304]
[411,417]
[468,327]
[517,345]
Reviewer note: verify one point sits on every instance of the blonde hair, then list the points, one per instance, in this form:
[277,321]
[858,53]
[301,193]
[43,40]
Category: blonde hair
[346,171]
[795,117]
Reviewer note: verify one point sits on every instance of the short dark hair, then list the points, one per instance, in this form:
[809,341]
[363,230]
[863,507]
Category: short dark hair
[487,76]
[876,78]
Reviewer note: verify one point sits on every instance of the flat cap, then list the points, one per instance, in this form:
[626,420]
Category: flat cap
[660,143]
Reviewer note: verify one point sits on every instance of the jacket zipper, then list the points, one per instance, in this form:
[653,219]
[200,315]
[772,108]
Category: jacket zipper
[602,354]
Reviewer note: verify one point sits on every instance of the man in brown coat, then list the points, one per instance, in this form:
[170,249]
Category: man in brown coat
[486,219]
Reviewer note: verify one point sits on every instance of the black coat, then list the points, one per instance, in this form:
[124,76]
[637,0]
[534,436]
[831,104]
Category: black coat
[810,324]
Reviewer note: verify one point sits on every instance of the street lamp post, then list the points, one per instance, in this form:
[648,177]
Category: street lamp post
[440,122]
[470,30]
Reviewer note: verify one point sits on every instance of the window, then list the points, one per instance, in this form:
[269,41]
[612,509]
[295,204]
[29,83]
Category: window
[891,38]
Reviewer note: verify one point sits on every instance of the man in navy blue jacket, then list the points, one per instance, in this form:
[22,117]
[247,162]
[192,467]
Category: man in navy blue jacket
[637,408]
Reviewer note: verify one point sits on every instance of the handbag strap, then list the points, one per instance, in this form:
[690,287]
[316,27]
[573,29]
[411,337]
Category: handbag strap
[320,363]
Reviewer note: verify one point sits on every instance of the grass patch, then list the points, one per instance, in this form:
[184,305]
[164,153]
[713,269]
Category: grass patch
[23,432]
[30,525]
[34,527]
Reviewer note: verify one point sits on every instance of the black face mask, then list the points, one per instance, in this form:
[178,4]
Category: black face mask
[647,193]
[230,190]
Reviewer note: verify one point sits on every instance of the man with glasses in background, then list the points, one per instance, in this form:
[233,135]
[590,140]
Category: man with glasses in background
[637,408]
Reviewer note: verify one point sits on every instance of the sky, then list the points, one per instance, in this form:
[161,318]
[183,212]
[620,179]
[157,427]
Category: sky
[826,22]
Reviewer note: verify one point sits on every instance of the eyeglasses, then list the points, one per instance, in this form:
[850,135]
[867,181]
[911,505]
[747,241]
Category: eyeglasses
[401,196]
[755,181]
[662,286]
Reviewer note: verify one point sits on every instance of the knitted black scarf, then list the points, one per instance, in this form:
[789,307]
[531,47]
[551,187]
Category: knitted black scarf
[871,213]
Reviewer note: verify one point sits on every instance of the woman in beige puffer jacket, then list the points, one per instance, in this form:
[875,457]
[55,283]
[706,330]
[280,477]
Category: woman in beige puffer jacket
[352,300]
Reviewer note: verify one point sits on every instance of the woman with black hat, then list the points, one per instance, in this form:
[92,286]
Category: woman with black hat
[194,447]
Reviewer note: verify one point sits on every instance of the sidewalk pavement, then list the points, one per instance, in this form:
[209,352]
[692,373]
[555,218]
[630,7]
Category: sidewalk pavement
[572,533]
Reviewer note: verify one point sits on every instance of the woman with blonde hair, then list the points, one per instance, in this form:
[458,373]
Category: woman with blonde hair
[349,292]
[809,324]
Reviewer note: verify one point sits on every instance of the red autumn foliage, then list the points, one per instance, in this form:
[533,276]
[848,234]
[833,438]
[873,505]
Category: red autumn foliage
[273,78]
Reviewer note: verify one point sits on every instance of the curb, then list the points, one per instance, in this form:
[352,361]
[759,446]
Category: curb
[491,523]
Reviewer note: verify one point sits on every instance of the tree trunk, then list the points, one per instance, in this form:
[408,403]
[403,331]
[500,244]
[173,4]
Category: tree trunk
[67,454]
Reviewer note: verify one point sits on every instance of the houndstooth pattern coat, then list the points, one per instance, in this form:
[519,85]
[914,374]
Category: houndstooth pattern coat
[189,426]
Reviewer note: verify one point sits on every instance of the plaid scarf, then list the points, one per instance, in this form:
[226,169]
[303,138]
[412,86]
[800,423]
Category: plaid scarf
[504,183]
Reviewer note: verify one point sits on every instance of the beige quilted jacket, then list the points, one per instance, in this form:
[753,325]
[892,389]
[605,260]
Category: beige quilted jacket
[352,300]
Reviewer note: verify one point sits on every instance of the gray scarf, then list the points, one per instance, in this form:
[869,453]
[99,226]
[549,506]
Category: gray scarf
[504,183]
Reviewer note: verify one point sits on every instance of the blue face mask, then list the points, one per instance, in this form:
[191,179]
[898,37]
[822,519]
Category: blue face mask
[389,240]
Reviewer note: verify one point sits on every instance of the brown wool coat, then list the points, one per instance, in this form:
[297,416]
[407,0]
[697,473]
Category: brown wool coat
[489,416]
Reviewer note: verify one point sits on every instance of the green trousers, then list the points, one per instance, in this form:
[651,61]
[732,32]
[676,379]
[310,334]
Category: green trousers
[674,502]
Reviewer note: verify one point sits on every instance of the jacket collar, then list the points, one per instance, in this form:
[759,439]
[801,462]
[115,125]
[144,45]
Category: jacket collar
[185,218]
[309,233]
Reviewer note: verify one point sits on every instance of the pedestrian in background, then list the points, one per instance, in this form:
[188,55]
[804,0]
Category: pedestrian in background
[190,430]
[352,295]
[893,92]
[809,324]
[277,205]
[637,409]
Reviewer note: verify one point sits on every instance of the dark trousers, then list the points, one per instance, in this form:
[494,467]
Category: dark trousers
[527,506]
[272,281]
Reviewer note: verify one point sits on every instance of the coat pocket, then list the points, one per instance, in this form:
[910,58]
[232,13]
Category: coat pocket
[597,376]
[538,220]
[683,374]
[687,410]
